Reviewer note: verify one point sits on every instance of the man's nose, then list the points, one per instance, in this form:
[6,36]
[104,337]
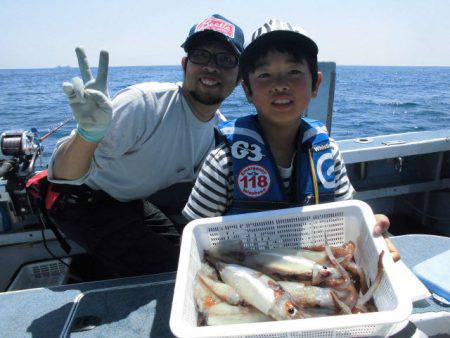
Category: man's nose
[211,66]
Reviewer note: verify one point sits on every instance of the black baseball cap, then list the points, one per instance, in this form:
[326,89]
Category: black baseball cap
[219,27]
[277,30]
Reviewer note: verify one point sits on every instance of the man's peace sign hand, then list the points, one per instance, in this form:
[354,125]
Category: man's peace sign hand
[89,98]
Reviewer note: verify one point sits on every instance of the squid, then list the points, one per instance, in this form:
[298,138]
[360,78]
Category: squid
[259,290]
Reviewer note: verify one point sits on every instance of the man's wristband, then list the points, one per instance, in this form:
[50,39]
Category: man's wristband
[91,136]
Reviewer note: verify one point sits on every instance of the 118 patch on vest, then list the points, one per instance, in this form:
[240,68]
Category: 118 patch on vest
[254,180]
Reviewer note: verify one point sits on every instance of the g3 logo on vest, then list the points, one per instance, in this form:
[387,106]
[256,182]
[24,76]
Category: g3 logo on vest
[325,168]
[242,149]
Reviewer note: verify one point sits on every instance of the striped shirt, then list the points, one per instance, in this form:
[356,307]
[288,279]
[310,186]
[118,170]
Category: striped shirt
[285,174]
[213,191]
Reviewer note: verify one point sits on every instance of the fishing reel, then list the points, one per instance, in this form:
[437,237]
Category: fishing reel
[17,143]
[21,149]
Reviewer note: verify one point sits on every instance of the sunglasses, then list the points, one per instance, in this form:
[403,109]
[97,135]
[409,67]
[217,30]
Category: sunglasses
[203,57]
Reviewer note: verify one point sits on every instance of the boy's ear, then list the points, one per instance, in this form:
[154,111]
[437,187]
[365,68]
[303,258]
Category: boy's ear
[248,95]
[319,81]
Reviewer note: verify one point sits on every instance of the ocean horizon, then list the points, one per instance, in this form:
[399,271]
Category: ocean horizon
[94,66]
[369,100]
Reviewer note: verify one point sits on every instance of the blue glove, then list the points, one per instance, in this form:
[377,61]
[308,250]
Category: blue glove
[89,98]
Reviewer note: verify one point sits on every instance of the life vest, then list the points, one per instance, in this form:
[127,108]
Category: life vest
[257,182]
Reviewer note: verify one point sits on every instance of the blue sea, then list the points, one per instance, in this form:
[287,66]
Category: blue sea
[369,100]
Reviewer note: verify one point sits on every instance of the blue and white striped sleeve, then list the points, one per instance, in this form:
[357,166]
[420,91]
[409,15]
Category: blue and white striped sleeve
[344,189]
[212,191]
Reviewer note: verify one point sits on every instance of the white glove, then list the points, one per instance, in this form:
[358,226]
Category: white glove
[89,98]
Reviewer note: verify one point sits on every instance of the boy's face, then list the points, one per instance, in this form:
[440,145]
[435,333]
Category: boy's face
[281,88]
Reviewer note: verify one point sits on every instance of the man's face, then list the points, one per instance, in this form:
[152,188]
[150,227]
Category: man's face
[281,88]
[209,84]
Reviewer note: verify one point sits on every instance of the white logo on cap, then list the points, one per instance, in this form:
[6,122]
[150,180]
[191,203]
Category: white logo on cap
[217,25]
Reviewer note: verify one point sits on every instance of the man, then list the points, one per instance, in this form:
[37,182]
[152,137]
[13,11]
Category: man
[150,140]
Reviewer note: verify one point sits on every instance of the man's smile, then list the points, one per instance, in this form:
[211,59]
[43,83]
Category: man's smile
[210,82]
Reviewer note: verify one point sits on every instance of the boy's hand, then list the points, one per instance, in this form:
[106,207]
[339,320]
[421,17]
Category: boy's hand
[381,226]
[89,98]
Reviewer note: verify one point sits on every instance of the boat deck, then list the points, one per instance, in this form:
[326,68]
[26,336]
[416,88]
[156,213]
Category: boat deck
[140,306]
[136,306]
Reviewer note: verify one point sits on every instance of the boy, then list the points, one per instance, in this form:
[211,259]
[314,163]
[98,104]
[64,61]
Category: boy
[277,158]
[273,159]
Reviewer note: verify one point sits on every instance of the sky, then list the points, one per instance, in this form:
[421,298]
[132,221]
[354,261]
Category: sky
[42,34]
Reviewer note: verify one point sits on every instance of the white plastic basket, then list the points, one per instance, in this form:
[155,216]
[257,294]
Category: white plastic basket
[296,227]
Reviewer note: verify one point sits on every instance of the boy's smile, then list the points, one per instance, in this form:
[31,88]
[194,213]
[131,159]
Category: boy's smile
[280,88]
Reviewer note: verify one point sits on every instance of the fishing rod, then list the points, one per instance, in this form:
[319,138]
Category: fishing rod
[56,128]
